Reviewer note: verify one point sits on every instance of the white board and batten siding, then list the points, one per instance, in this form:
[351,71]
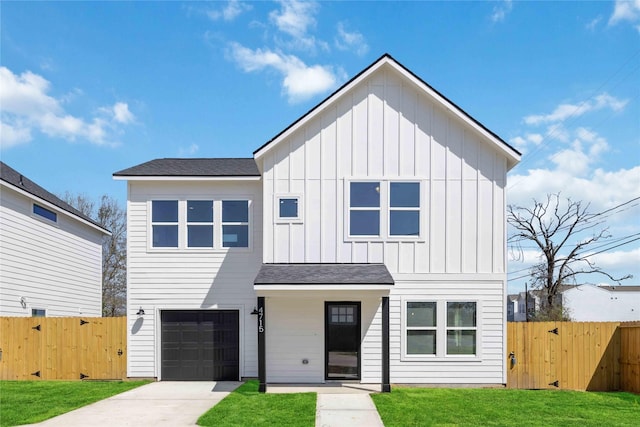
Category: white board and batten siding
[183,279]
[387,128]
[51,266]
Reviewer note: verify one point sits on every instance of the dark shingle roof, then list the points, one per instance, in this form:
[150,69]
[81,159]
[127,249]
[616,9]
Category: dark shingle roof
[273,274]
[15,178]
[194,167]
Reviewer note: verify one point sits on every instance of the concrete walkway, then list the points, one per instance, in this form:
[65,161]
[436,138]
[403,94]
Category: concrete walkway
[164,403]
[339,404]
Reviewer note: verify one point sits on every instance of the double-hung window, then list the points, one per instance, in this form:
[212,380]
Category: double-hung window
[439,329]
[461,328]
[404,208]
[235,223]
[200,223]
[364,209]
[164,223]
[421,327]
[384,209]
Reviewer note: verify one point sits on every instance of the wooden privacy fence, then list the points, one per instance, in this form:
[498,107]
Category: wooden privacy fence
[63,348]
[603,356]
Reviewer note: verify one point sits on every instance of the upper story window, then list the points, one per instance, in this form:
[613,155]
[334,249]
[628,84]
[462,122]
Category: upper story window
[421,327]
[364,205]
[200,224]
[404,209]
[45,213]
[235,223]
[288,208]
[384,209]
[164,223]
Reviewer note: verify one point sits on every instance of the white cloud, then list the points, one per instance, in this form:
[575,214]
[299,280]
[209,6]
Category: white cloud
[626,10]
[27,106]
[295,17]
[501,11]
[354,40]
[231,11]
[619,260]
[299,81]
[565,111]
[188,151]
[591,25]
[121,113]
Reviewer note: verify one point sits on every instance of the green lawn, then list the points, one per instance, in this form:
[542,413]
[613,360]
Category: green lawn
[246,407]
[26,402]
[501,407]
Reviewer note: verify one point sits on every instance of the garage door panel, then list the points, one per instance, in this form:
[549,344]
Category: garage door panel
[200,345]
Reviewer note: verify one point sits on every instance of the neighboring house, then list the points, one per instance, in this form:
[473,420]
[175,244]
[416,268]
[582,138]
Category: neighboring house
[517,305]
[364,242]
[50,253]
[589,303]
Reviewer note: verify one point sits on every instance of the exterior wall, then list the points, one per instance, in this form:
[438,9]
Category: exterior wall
[387,128]
[188,279]
[487,367]
[54,266]
[295,328]
[589,303]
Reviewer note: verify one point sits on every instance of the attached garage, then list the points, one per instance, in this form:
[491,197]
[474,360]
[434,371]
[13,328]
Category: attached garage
[200,345]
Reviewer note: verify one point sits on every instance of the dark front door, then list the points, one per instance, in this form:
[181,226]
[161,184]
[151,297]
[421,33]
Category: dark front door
[342,340]
[200,345]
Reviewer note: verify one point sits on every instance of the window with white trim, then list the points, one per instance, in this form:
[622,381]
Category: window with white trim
[200,223]
[439,329]
[461,328]
[288,208]
[235,223]
[164,223]
[364,209]
[38,312]
[421,327]
[384,209]
[45,213]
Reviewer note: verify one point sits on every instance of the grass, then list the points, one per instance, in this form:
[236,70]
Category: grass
[500,407]
[246,407]
[26,402]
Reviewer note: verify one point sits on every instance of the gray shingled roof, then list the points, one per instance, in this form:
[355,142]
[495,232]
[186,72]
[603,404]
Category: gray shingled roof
[275,274]
[194,167]
[15,178]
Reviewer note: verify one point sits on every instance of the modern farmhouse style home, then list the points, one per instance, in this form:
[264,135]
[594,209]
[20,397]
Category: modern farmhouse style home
[365,243]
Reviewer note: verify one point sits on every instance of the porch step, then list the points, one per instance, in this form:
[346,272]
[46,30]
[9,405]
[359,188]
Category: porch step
[346,410]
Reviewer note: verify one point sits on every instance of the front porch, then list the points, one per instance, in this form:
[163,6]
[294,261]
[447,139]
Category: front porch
[319,323]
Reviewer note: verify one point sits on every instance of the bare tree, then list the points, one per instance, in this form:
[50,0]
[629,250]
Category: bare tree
[111,216]
[564,234]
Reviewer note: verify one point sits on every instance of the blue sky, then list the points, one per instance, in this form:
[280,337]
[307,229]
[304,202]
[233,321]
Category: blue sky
[90,88]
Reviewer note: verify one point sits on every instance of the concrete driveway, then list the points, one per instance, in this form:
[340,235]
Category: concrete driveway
[165,403]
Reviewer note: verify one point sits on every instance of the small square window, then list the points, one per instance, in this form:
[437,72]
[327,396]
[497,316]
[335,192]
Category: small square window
[38,312]
[45,213]
[288,208]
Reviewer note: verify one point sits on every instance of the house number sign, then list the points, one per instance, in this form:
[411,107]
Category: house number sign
[261,320]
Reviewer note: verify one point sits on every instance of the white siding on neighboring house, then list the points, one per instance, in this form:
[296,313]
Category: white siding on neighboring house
[588,303]
[188,279]
[56,267]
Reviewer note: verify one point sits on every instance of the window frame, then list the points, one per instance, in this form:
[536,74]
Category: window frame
[163,223]
[385,211]
[211,223]
[420,328]
[461,328]
[441,332]
[276,209]
[235,223]
[38,312]
[183,224]
[40,216]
